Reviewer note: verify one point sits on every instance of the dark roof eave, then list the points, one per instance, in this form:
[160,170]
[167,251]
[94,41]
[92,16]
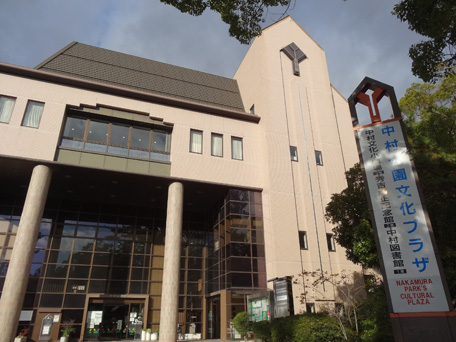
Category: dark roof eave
[90,85]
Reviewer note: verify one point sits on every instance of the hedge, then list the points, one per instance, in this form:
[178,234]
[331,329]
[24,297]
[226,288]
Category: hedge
[301,328]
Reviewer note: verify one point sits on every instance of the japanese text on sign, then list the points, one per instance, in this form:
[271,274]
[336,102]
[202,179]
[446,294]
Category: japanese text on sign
[410,264]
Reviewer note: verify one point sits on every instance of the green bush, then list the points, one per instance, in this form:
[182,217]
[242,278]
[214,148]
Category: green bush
[241,323]
[374,321]
[282,329]
[302,328]
[262,330]
[316,328]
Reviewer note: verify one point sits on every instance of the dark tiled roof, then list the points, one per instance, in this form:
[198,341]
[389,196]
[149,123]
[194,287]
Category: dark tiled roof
[122,70]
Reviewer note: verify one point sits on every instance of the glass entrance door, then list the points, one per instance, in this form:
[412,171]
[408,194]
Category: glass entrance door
[213,317]
[109,320]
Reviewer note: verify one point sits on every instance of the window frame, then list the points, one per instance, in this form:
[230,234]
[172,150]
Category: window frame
[303,243]
[131,126]
[330,242]
[293,153]
[318,157]
[212,144]
[195,131]
[30,102]
[12,108]
[233,139]
[310,308]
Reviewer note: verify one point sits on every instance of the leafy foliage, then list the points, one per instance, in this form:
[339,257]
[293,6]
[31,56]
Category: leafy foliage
[430,112]
[241,323]
[243,16]
[349,211]
[349,289]
[302,328]
[262,330]
[374,320]
[436,20]
[67,328]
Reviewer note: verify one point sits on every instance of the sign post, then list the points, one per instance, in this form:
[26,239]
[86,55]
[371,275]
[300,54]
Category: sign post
[283,297]
[418,297]
[46,328]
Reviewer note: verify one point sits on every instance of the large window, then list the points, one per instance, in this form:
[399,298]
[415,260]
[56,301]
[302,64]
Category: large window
[6,108]
[115,138]
[33,114]
[236,148]
[196,141]
[217,145]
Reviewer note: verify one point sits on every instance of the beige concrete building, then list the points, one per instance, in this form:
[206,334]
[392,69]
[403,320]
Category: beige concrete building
[141,194]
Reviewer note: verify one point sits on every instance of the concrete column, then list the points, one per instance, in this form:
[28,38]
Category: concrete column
[170,287]
[23,250]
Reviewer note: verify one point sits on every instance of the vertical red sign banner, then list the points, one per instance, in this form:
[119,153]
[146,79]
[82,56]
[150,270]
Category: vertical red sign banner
[415,284]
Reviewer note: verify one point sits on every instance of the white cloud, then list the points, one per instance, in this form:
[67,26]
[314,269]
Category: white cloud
[360,37]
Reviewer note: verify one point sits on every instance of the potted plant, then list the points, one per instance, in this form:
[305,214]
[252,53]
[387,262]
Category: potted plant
[20,338]
[67,329]
[148,333]
[143,334]
[154,335]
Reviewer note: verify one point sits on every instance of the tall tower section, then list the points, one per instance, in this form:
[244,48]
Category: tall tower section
[306,144]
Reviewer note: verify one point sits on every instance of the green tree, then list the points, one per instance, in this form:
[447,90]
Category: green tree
[241,323]
[435,20]
[243,16]
[349,211]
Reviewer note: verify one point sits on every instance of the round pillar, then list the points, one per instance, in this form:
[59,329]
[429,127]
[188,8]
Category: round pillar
[171,265]
[23,251]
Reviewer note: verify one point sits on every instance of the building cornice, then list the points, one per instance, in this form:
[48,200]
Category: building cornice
[119,91]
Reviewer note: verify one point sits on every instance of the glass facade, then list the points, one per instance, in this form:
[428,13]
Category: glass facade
[90,254]
[119,139]
[236,258]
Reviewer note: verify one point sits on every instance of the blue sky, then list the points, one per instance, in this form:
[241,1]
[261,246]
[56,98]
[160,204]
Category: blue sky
[360,37]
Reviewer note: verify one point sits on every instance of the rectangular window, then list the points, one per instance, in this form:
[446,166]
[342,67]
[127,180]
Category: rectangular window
[236,148]
[97,136]
[331,242]
[196,141]
[303,240]
[140,143]
[6,108]
[33,114]
[217,145]
[318,157]
[310,307]
[294,153]
[160,141]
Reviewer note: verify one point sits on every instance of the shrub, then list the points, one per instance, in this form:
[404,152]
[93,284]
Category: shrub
[241,323]
[282,329]
[262,330]
[302,328]
[316,328]
[375,323]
